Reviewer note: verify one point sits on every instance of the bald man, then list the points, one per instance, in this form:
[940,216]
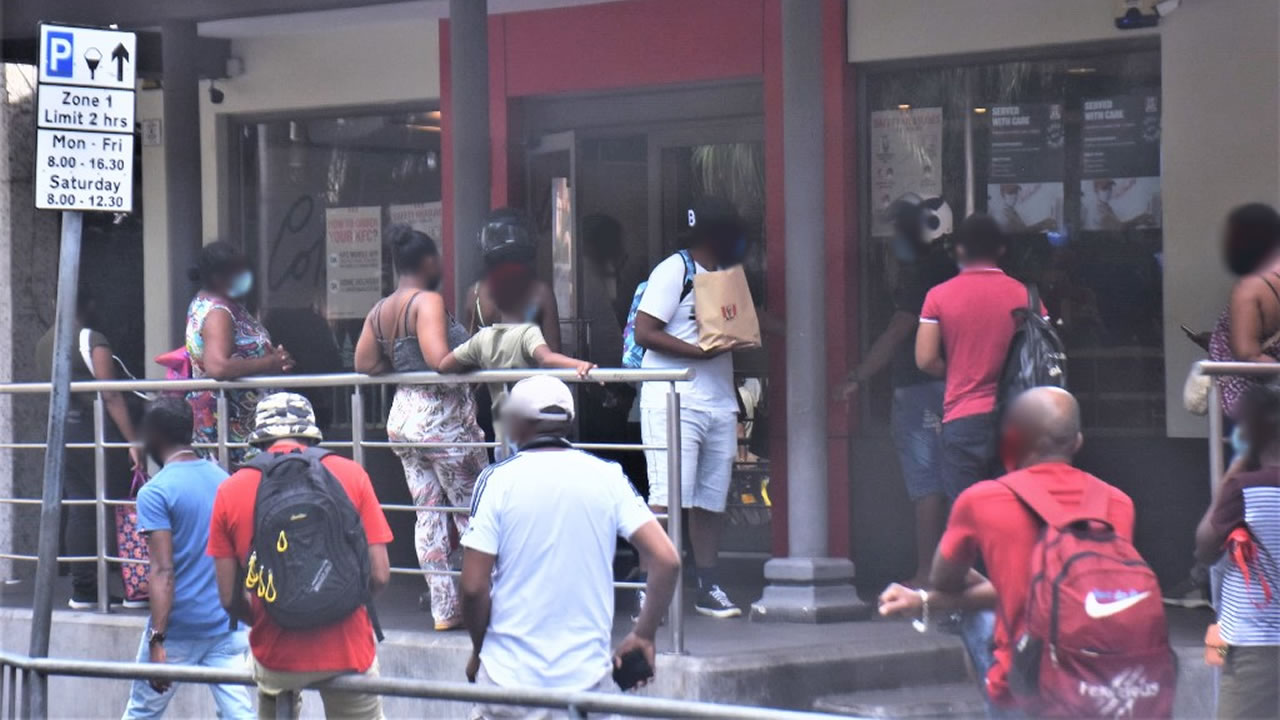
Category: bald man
[1040,437]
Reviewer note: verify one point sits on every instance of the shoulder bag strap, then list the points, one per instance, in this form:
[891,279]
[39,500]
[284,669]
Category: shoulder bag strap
[86,350]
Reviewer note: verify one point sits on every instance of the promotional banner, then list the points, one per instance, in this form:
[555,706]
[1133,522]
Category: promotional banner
[353,249]
[906,157]
[1025,177]
[1120,162]
[424,217]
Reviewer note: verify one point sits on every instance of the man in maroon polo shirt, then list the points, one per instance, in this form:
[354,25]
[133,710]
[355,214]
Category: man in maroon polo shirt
[966,326]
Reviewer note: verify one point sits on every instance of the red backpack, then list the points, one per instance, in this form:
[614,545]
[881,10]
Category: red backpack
[1095,642]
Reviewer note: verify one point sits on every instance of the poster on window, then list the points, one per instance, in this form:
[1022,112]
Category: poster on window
[563,276]
[353,252]
[1120,162]
[906,157]
[1025,176]
[424,217]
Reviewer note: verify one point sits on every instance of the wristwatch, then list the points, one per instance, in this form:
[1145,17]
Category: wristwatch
[154,637]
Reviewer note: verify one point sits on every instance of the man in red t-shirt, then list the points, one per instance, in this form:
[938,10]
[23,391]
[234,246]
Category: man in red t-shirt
[966,326]
[1041,436]
[288,660]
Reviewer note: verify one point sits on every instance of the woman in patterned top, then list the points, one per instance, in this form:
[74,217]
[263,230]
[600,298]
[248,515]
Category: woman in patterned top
[410,331]
[226,342]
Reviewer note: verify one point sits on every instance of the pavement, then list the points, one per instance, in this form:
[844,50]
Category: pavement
[881,668]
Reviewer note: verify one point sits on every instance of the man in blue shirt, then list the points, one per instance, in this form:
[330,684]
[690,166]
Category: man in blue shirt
[188,625]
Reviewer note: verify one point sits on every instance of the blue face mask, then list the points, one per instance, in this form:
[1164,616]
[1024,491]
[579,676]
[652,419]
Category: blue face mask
[1239,446]
[240,285]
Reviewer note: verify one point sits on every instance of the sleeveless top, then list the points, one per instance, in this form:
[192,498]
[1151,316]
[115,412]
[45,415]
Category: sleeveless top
[249,340]
[1233,387]
[405,351]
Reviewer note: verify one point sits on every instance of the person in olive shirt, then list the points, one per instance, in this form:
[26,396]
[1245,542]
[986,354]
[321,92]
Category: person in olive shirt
[78,481]
[920,227]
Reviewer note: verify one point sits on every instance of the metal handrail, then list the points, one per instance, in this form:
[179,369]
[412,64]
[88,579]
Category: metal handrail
[357,444]
[1217,453]
[578,704]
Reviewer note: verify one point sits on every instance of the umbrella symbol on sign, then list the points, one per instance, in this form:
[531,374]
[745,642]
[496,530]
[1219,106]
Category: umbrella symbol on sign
[92,57]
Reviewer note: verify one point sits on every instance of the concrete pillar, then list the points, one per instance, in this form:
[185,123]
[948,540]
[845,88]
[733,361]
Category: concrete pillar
[181,82]
[469,134]
[806,586]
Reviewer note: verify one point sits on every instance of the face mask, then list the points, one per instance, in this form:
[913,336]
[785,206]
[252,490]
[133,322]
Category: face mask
[241,284]
[1239,445]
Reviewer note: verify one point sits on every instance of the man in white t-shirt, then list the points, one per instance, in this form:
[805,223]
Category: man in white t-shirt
[666,327]
[537,574]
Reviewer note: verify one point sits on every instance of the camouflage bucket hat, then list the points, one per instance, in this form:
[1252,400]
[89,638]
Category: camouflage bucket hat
[284,415]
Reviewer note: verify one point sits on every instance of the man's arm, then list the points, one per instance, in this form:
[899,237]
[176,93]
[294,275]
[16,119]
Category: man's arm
[659,556]
[545,357]
[233,597]
[379,568]
[160,577]
[477,573]
[1226,511]
[882,350]
[929,349]
[978,594]
[651,334]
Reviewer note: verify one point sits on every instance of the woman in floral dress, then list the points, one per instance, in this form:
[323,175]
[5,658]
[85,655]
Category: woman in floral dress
[226,342]
[409,331]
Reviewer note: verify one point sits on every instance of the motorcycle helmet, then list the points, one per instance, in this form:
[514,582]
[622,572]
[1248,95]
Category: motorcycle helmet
[507,236]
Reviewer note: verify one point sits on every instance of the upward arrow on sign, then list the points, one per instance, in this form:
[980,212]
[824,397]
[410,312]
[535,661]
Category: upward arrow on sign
[121,56]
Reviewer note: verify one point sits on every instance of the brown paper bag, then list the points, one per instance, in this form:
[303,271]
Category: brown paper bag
[725,312]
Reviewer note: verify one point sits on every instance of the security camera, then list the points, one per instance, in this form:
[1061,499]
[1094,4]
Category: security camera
[216,96]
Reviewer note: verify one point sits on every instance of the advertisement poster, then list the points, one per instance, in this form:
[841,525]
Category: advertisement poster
[353,252]
[423,217]
[1025,178]
[906,156]
[1120,163]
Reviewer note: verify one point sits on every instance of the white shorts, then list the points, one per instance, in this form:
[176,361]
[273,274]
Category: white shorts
[708,446]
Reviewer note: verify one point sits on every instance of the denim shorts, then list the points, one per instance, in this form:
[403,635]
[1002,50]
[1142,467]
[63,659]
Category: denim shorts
[968,452]
[917,426]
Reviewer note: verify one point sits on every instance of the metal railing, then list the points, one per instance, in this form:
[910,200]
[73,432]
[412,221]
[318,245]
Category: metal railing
[1217,450]
[357,445]
[17,671]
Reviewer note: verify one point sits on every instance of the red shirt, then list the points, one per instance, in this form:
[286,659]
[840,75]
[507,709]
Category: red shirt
[987,520]
[347,646]
[974,311]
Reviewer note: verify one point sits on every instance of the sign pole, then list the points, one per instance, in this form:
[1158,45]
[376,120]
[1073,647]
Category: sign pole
[55,456]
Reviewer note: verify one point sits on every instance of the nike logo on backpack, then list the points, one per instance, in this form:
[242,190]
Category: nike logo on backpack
[1096,609]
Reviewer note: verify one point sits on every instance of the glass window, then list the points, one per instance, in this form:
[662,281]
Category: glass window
[316,192]
[1064,151]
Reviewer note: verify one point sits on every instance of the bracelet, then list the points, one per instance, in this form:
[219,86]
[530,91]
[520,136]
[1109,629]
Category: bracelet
[922,624]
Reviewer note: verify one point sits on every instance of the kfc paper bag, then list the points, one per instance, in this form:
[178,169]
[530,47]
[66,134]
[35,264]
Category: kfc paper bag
[724,309]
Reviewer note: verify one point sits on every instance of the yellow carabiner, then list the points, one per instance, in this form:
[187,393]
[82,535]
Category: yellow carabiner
[251,577]
[283,543]
[270,595]
[262,590]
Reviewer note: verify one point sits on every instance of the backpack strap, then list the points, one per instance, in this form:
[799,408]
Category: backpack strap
[1033,299]
[690,269]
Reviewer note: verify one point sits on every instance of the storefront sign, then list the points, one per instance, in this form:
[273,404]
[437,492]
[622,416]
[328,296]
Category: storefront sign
[1120,162]
[353,249]
[906,157]
[84,119]
[1024,180]
[424,217]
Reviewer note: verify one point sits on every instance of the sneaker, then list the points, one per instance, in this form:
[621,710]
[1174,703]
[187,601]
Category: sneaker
[1188,594]
[143,604]
[90,602]
[714,602]
[447,625]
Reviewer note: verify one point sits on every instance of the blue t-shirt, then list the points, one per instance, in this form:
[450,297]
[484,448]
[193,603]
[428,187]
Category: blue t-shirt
[180,499]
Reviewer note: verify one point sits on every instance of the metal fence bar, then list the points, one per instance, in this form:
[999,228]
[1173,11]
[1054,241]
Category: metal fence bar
[584,702]
[99,498]
[224,454]
[675,521]
[357,426]
[1216,439]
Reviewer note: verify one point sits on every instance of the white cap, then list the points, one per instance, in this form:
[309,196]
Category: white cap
[540,397]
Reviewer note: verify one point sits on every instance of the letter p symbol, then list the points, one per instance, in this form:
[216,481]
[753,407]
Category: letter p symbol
[59,55]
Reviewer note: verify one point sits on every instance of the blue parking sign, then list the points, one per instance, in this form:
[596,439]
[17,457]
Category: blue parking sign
[59,54]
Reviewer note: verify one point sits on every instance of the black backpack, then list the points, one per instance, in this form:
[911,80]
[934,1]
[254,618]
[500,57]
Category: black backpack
[1036,356]
[309,559]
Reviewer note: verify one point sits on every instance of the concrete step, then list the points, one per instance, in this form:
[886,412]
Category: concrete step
[960,700]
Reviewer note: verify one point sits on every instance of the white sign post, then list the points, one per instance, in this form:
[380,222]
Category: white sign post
[84,162]
[84,119]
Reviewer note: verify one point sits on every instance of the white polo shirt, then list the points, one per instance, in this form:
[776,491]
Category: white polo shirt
[552,518]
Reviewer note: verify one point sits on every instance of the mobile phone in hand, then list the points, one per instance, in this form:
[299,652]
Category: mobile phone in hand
[633,670]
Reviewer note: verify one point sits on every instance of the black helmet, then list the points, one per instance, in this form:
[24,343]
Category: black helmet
[507,236]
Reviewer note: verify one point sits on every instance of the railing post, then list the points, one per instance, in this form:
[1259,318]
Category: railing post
[100,497]
[1216,450]
[675,520]
[224,453]
[287,705]
[357,425]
